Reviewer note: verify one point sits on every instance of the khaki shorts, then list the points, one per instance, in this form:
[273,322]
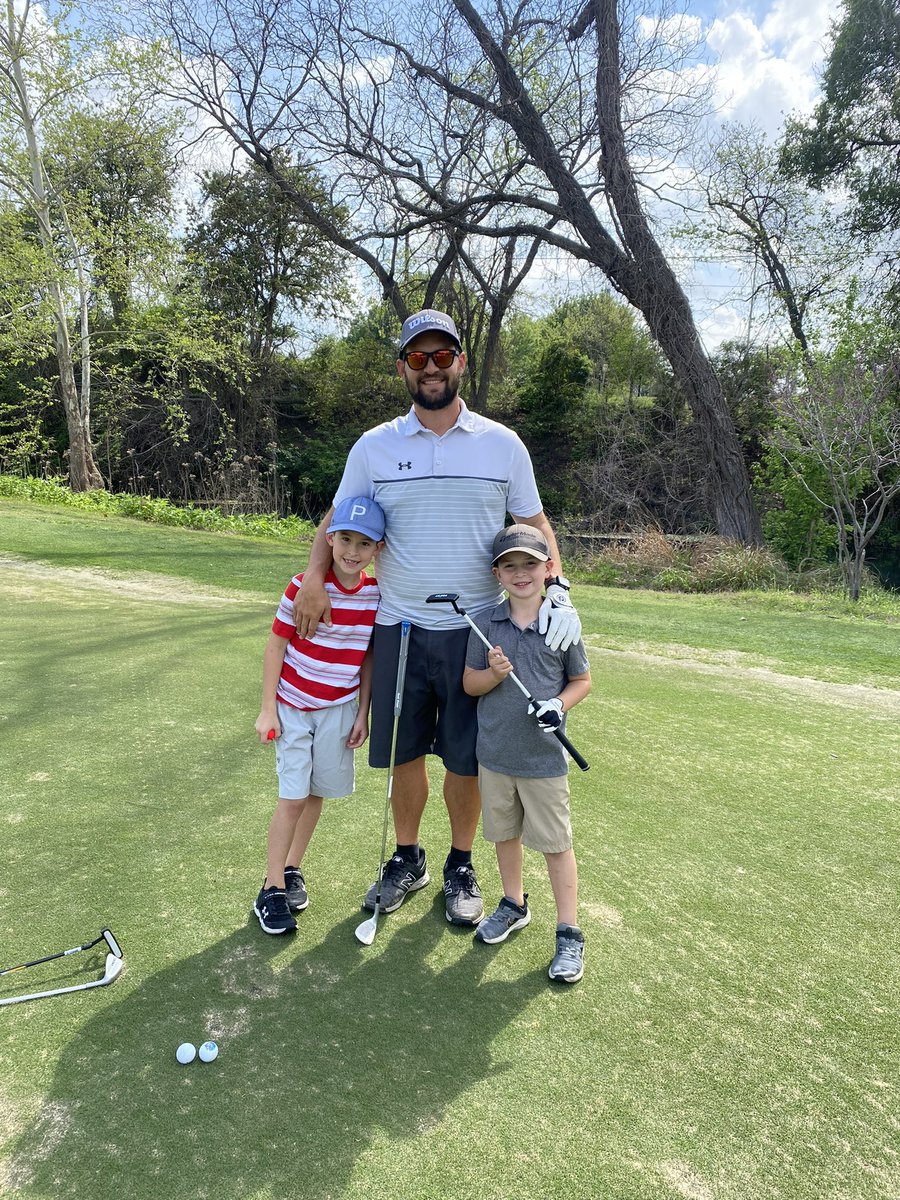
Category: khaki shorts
[535,810]
[311,756]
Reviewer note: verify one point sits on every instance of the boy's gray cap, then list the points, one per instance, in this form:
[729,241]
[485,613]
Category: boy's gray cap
[429,320]
[520,537]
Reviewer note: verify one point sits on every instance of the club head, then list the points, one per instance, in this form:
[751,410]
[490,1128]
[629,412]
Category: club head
[114,965]
[365,932]
[110,938]
[443,598]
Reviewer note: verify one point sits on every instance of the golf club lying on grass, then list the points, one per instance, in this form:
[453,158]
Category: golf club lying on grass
[365,932]
[453,598]
[112,970]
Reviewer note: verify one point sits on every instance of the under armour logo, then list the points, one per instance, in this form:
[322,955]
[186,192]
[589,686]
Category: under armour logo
[408,466]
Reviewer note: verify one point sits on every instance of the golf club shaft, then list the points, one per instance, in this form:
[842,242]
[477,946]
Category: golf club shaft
[112,971]
[452,598]
[50,957]
[398,705]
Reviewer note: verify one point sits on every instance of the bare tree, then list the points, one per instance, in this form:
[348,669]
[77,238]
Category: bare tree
[840,422]
[519,125]
[795,246]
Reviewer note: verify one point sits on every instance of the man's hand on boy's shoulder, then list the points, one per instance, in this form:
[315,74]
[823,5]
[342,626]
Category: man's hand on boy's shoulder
[311,605]
[558,618]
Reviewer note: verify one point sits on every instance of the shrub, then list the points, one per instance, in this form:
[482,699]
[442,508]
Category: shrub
[158,511]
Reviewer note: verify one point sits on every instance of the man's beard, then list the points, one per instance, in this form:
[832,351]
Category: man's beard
[434,401]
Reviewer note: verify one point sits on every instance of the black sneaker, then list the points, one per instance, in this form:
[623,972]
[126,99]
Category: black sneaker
[568,962]
[399,878]
[463,895]
[504,920]
[272,911]
[295,889]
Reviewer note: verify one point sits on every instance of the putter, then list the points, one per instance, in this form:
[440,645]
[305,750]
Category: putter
[453,598]
[365,932]
[111,971]
[106,935]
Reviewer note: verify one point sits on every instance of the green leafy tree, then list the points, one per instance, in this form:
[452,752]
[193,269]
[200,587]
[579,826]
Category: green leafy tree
[839,432]
[259,260]
[853,136]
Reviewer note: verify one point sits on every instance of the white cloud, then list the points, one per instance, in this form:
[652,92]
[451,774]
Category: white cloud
[767,60]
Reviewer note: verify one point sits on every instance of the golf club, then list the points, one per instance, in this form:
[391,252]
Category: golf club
[112,970]
[106,935]
[365,932]
[453,598]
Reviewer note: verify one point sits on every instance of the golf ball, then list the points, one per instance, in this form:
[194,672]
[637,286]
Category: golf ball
[208,1051]
[186,1052]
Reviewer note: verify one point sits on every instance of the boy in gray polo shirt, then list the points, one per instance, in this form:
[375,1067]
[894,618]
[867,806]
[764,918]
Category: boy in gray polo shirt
[522,769]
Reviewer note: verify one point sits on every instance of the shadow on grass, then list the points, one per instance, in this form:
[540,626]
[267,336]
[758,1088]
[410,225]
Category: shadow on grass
[322,1052]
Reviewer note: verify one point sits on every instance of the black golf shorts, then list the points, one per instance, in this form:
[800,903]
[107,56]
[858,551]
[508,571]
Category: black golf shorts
[437,716]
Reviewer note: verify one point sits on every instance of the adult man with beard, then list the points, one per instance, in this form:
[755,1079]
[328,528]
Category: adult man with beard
[445,478]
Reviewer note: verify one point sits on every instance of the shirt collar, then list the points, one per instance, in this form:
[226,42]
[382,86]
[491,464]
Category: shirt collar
[465,421]
[501,613]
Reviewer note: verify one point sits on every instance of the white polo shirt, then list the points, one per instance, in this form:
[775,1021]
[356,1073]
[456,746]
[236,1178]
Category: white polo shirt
[444,500]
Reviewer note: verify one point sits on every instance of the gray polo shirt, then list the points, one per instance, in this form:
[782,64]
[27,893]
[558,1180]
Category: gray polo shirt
[509,740]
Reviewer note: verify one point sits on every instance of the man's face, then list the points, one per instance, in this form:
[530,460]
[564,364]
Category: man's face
[432,388]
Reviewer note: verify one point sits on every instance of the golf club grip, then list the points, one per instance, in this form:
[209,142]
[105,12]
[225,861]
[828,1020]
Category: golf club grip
[573,753]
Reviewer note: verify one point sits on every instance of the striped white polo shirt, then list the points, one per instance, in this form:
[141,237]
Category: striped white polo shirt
[444,499]
[323,670]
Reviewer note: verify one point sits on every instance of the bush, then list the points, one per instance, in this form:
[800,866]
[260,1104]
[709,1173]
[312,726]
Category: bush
[158,511]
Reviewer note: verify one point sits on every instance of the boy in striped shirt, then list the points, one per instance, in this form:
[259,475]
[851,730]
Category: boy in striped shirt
[316,694]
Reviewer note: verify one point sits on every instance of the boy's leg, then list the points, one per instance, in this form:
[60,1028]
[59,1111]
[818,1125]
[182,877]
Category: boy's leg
[311,810]
[282,828]
[563,871]
[509,862]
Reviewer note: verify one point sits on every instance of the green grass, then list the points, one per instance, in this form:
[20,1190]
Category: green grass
[734,1038]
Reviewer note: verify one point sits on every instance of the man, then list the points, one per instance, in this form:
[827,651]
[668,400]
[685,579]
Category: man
[445,478]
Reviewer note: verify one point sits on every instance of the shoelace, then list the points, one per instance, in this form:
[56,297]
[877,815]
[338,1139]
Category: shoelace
[465,878]
[568,950]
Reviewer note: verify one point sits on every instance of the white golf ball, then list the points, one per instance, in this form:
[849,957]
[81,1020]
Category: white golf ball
[208,1051]
[186,1052]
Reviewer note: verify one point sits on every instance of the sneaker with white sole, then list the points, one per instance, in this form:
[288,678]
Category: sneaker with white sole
[295,889]
[568,962]
[462,895]
[272,911]
[399,877]
[506,918]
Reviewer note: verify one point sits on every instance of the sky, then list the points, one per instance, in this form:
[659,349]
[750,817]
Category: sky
[767,57]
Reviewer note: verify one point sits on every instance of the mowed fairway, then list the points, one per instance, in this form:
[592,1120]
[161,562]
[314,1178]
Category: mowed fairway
[735,1036]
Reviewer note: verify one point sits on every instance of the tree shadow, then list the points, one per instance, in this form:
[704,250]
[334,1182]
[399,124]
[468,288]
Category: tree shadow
[322,1051]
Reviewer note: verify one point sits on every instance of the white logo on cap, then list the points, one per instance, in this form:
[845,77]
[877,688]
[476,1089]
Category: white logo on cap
[358,510]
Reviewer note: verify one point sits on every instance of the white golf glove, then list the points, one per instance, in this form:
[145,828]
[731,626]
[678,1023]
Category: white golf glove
[558,618]
[549,713]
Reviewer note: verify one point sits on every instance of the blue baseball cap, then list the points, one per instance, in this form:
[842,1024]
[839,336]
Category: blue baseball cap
[362,515]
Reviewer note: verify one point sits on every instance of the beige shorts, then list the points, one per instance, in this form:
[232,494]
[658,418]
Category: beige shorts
[535,810]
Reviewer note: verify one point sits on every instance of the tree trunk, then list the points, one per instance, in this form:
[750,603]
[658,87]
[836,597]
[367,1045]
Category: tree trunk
[83,472]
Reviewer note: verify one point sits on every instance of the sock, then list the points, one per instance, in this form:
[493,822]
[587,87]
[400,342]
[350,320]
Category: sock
[564,927]
[409,853]
[458,858]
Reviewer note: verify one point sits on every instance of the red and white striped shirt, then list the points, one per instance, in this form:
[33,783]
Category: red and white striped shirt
[323,670]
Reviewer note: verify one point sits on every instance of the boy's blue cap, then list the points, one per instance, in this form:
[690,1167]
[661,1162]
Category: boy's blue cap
[362,515]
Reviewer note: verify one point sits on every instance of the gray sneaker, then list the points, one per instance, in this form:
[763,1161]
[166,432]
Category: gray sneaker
[462,895]
[568,962]
[506,918]
[295,889]
[399,878]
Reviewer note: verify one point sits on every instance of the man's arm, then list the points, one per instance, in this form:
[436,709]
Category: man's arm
[311,604]
[558,618]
